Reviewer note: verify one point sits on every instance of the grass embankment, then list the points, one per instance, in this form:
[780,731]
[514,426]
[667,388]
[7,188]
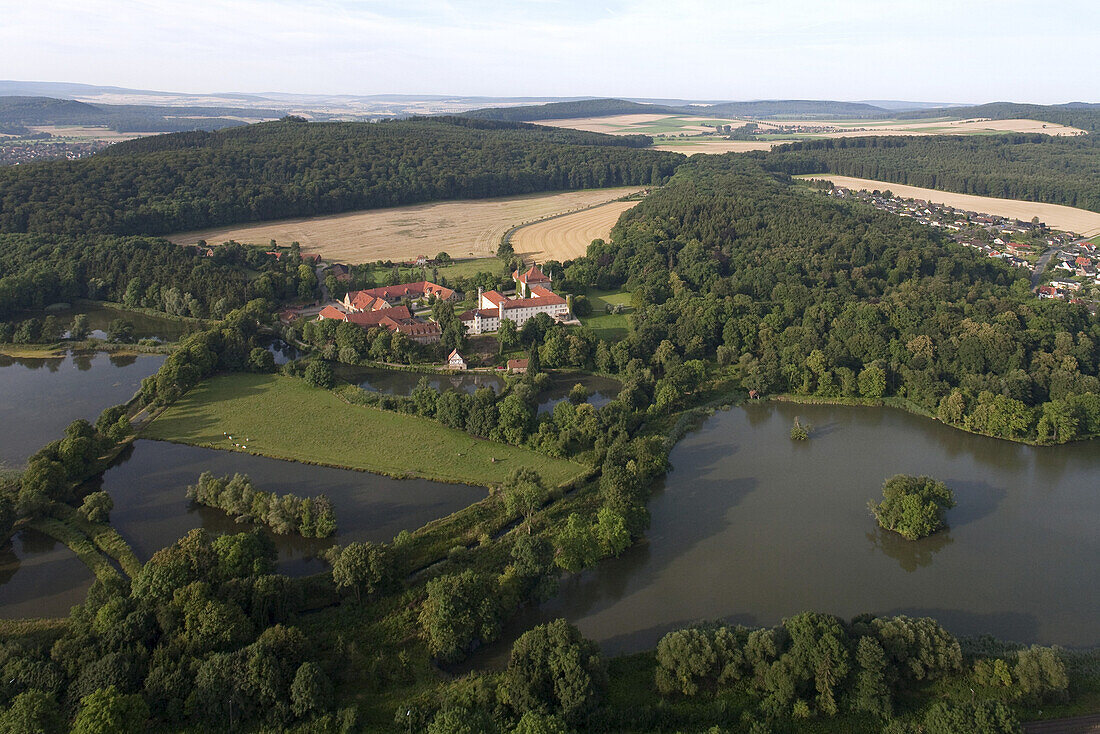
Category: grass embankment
[105,538]
[609,327]
[285,418]
[78,543]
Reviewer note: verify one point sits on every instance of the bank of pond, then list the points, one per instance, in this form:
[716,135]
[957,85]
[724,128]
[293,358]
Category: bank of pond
[751,527]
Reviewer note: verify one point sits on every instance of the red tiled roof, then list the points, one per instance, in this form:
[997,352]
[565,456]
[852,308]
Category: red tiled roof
[410,290]
[533,275]
[546,298]
[412,327]
[374,318]
[517,364]
[485,313]
[365,301]
[331,312]
[494,297]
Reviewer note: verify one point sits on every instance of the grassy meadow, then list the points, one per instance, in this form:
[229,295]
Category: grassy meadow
[609,327]
[285,418]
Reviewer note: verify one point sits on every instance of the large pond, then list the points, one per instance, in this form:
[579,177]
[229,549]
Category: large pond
[40,397]
[752,527]
[151,508]
[41,578]
[601,390]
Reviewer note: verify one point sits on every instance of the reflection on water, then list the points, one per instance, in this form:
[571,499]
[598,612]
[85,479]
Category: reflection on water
[40,577]
[42,396]
[152,510]
[752,526]
[910,554]
[601,390]
[146,325]
[395,382]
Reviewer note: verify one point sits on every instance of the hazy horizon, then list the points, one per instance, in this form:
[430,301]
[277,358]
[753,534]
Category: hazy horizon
[855,50]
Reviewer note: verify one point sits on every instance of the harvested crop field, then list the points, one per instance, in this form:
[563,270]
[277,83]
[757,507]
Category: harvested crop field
[564,238]
[1065,218]
[691,146]
[463,229]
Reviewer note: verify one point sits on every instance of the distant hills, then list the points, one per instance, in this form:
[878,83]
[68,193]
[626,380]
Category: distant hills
[17,113]
[800,108]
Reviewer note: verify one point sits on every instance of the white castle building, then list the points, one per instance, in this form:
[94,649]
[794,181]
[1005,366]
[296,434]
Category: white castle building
[533,296]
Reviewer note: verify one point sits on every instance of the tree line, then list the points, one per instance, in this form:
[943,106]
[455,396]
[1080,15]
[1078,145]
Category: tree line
[1054,170]
[809,668]
[142,272]
[310,517]
[813,296]
[289,168]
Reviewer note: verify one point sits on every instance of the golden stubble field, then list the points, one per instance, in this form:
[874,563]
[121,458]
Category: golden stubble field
[695,142]
[1065,218]
[467,228]
[568,237]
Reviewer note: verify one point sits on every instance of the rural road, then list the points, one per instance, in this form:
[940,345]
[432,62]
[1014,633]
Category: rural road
[1041,266]
[1077,725]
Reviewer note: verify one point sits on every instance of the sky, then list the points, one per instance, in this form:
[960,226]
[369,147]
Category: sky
[922,50]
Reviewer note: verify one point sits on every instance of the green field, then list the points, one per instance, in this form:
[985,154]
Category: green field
[609,327]
[285,418]
[457,269]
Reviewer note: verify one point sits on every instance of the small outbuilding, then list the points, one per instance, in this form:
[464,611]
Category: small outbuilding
[517,365]
[455,361]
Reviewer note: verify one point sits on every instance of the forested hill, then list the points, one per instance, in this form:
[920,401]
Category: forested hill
[292,168]
[1042,168]
[566,110]
[610,107]
[793,108]
[819,297]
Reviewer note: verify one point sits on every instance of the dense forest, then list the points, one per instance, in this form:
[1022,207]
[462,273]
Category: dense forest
[145,272]
[818,297]
[293,168]
[1031,167]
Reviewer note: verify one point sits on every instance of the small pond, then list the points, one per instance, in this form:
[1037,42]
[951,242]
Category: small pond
[152,510]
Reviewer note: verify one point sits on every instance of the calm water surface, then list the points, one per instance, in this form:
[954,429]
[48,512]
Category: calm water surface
[152,510]
[40,577]
[40,397]
[396,382]
[752,527]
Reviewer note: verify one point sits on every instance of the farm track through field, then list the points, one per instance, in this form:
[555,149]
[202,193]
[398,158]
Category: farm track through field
[463,229]
[566,236]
